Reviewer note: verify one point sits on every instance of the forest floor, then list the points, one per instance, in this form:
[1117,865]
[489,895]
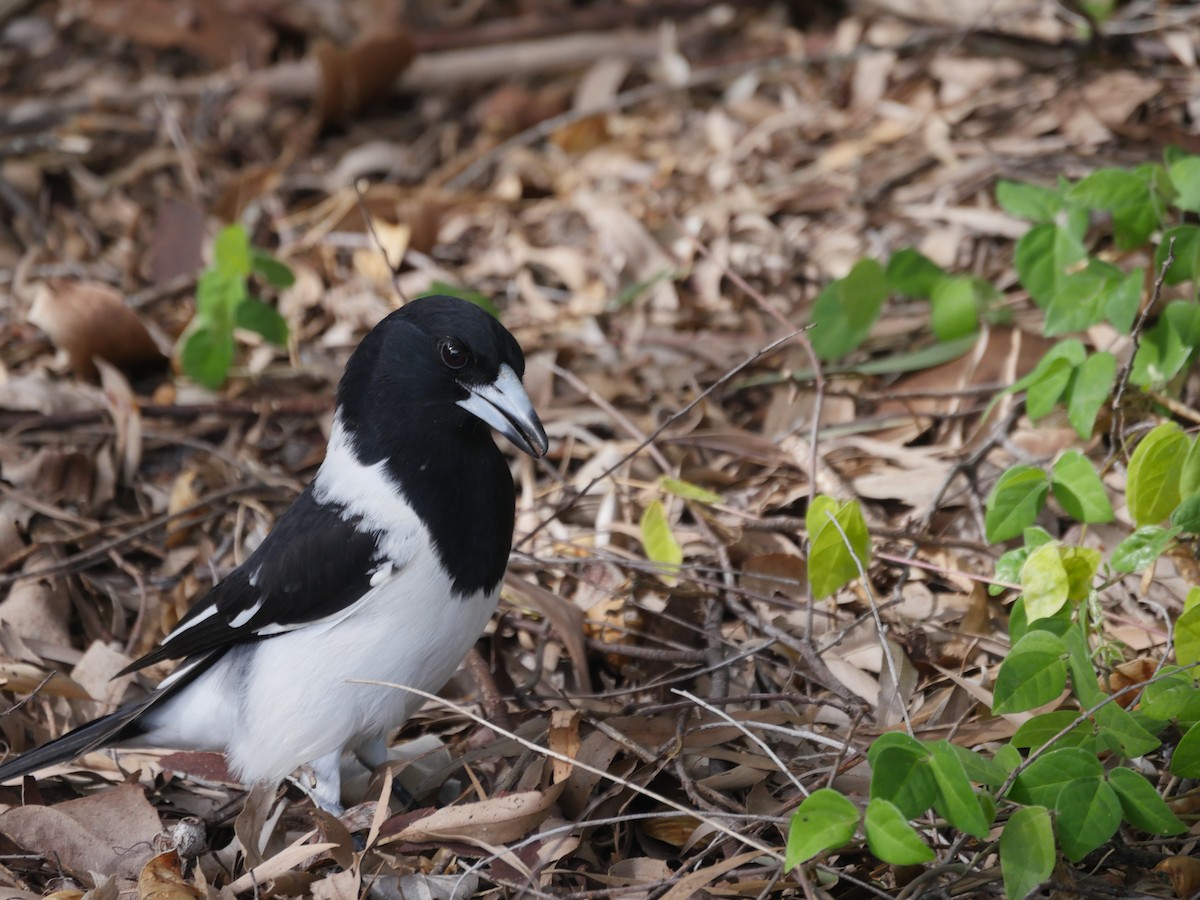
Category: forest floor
[651,196]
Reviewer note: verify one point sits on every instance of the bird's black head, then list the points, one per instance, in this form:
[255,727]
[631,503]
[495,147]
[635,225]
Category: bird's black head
[438,365]
[419,395]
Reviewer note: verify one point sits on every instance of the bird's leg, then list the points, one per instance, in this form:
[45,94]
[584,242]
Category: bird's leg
[321,779]
[373,753]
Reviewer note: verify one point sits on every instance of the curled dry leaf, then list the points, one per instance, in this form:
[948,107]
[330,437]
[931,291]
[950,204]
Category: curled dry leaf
[1128,674]
[162,879]
[357,76]
[1184,872]
[89,321]
[497,820]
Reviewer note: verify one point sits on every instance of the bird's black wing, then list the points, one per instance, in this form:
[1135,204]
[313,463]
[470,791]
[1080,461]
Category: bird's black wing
[315,563]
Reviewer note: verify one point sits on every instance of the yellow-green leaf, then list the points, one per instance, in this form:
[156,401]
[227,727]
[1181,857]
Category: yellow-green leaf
[659,541]
[689,491]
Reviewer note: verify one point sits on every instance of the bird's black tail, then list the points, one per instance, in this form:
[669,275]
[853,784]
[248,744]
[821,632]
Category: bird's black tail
[91,736]
[122,725]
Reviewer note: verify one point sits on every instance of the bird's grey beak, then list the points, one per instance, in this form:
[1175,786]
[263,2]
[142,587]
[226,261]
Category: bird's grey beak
[505,406]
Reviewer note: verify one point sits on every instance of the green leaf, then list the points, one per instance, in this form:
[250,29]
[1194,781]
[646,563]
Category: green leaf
[954,307]
[659,541]
[1185,177]
[206,356]
[689,491]
[1028,201]
[1043,257]
[895,740]
[979,768]
[1166,699]
[231,252]
[218,295]
[1046,391]
[1081,565]
[1080,301]
[1123,298]
[1152,485]
[1079,490]
[831,563]
[824,820]
[1189,478]
[1044,778]
[956,800]
[1014,502]
[1186,266]
[1008,568]
[1008,757]
[1019,624]
[256,316]
[1187,635]
[1032,674]
[1088,814]
[1026,851]
[913,274]
[1142,548]
[846,310]
[1120,732]
[905,779]
[272,271]
[1185,761]
[891,838]
[1089,389]
[1044,582]
[1071,350]
[1186,516]
[1041,729]
[1141,804]
[1134,211]
[1169,346]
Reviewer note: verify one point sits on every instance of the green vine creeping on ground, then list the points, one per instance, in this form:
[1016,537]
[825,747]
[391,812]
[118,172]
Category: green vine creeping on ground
[223,302]
[1065,782]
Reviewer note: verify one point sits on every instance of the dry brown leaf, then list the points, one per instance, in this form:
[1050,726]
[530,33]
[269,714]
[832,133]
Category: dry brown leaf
[693,883]
[295,854]
[22,678]
[177,242]
[566,619]
[358,76]
[90,320]
[497,820]
[37,608]
[211,29]
[767,574]
[1184,872]
[162,879]
[564,739]
[109,831]
[344,885]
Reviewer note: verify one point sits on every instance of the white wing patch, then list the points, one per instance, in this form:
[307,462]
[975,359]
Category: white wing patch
[247,614]
[208,613]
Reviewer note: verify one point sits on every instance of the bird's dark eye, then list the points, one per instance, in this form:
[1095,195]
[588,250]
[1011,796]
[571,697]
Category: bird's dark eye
[453,352]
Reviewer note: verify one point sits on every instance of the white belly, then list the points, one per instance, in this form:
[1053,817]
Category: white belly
[277,704]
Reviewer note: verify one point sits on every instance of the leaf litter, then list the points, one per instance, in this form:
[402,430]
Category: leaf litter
[650,198]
